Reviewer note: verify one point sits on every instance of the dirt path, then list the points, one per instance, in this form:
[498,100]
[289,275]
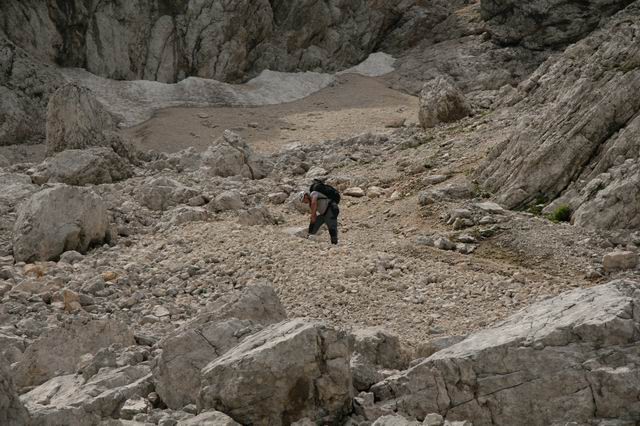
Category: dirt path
[354,104]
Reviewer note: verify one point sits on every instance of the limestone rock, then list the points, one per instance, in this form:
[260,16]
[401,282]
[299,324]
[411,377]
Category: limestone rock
[209,418]
[619,260]
[59,350]
[571,358]
[354,192]
[311,362]
[82,167]
[441,102]
[213,332]
[395,420]
[162,193]
[59,219]
[76,120]
[231,156]
[256,216]
[69,400]
[225,201]
[12,412]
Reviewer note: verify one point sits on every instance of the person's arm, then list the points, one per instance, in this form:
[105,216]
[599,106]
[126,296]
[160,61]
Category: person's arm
[314,208]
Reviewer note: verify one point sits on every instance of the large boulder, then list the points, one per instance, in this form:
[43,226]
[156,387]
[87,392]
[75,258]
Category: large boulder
[576,138]
[58,351]
[70,400]
[220,327]
[85,166]
[77,120]
[441,102]
[16,188]
[12,412]
[286,372]
[59,219]
[162,193]
[231,156]
[573,358]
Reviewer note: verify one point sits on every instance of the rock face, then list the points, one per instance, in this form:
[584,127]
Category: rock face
[545,24]
[576,137]
[25,87]
[77,120]
[59,219]
[282,374]
[59,350]
[571,358]
[231,156]
[12,412]
[162,193]
[194,345]
[85,166]
[441,102]
[168,41]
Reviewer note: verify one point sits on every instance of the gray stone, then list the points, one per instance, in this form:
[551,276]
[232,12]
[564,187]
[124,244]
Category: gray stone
[227,201]
[310,361]
[12,411]
[570,358]
[162,193]
[59,219]
[256,216]
[220,327]
[619,260]
[209,418]
[441,102]
[231,156]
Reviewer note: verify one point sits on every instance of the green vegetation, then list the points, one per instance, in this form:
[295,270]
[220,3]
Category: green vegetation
[561,214]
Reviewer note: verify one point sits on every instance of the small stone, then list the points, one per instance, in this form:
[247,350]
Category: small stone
[109,276]
[160,311]
[619,260]
[433,419]
[443,243]
[71,301]
[316,172]
[277,197]
[134,406]
[71,257]
[354,192]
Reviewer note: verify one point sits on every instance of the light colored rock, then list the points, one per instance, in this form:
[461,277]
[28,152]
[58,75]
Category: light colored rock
[182,215]
[277,197]
[85,166]
[12,412]
[231,156]
[441,102]
[572,358]
[59,350]
[59,219]
[133,406]
[316,172]
[162,193]
[227,201]
[311,362]
[69,400]
[433,419]
[213,332]
[619,260]
[395,420]
[444,244]
[256,216]
[209,418]
[354,192]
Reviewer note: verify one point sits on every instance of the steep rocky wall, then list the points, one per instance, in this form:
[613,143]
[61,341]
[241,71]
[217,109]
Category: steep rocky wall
[225,40]
[577,131]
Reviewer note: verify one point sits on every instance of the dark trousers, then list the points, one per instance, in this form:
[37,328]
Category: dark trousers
[330,218]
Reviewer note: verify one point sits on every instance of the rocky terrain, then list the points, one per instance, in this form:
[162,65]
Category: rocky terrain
[154,262]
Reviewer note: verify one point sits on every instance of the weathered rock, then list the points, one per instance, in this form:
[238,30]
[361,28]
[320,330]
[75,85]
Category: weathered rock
[256,216]
[59,350]
[163,193]
[395,420]
[441,102]
[219,328]
[225,201]
[619,260]
[59,219]
[311,362]
[571,358]
[231,156]
[77,120]
[69,400]
[552,153]
[209,418]
[12,412]
[88,166]
[354,192]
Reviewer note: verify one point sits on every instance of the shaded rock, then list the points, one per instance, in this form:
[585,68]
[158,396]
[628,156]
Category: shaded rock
[427,349]
[88,166]
[163,193]
[311,362]
[441,102]
[59,219]
[77,120]
[570,358]
[69,400]
[256,216]
[12,412]
[59,350]
[213,332]
[231,156]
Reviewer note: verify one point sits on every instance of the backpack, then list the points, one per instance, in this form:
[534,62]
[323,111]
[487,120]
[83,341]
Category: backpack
[327,190]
